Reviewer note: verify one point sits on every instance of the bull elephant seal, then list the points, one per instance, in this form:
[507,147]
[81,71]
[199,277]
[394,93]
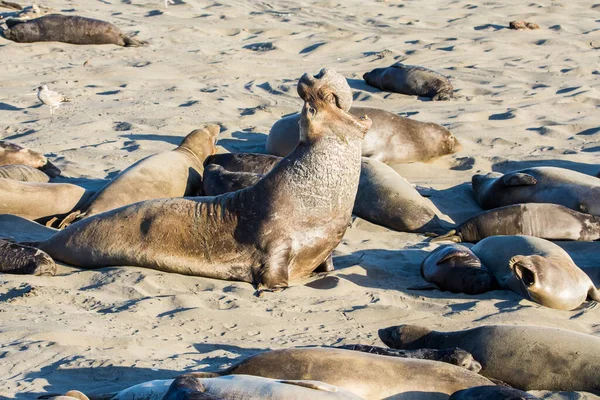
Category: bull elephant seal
[547,221]
[536,269]
[175,173]
[492,393]
[525,357]
[383,197]
[67,29]
[392,139]
[455,268]
[23,173]
[411,80]
[25,260]
[11,153]
[577,191]
[275,232]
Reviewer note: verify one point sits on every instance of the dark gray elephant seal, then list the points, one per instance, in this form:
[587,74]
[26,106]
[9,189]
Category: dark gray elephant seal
[26,260]
[577,191]
[536,269]
[67,29]
[492,393]
[525,357]
[383,198]
[411,80]
[11,153]
[175,173]
[457,269]
[392,139]
[273,233]
[23,173]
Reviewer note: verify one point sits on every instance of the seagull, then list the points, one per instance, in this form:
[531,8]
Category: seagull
[51,98]
[167,2]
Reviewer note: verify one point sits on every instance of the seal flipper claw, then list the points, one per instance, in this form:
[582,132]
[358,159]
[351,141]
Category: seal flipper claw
[69,219]
[452,236]
[131,42]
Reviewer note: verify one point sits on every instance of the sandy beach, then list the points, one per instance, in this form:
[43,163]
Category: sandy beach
[523,98]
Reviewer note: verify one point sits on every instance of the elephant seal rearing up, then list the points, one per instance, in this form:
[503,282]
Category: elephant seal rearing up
[275,232]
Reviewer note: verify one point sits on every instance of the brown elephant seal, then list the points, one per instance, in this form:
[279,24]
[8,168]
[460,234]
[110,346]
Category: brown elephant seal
[577,191]
[26,260]
[367,375]
[525,357]
[383,197]
[453,355]
[67,29]
[23,173]
[536,269]
[411,80]
[175,173]
[392,139]
[273,233]
[492,393]
[547,221]
[11,153]
[455,268]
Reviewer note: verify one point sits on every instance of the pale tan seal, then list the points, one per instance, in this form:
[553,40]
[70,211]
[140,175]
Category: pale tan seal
[175,173]
[273,233]
[392,139]
[11,153]
[23,173]
[67,29]
[577,191]
[411,80]
[525,357]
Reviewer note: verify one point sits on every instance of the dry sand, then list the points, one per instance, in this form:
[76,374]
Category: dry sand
[525,98]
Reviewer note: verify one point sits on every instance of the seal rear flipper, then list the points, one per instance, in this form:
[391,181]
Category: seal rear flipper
[131,42]
[594,294]
[71,218]
[452,236]
[518,179]
[26,260]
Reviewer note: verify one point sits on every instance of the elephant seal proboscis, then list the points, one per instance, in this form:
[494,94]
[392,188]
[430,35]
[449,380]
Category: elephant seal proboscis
[175,173]
[525,357]
[536,269]
[392,139]
[25,260]
[411,80]
[383,197]
[273,233]
[455,268]
[492,393]
[543,220]
[11,153]
[67,29]
[577,191]
[23,173]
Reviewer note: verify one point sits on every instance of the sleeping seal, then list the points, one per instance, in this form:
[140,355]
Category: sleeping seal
[26,260]
[23,173]
[11,153]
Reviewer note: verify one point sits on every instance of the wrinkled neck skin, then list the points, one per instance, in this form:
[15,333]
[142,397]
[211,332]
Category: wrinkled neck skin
[196,158]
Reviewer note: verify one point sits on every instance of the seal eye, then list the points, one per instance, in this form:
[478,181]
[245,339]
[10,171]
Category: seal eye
[311,111]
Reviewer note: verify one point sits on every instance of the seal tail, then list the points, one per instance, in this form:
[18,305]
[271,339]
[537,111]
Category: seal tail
[25,259]
[452,236]
[131,42]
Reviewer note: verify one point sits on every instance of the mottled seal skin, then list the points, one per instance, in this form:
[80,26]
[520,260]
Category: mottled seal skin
[536,269]
[455,268]
[23,173]
[273,233]
[411,80]
[21,259]
[175,173]
[525,357]
[492,393]
[547,221]
[392,139]
[367,375]
[574,190]
[11,153]
[67,29]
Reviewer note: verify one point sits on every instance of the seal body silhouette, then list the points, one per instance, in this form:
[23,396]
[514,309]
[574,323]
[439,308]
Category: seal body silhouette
[23,173]
[11,154]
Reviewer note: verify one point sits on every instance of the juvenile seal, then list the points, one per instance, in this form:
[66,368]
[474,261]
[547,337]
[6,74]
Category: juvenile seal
[525,357]
[577,191]
[411,80]
[275,232]
[21,259]
[67,29]
[536,269]
[175,173]
[23,173]
[392,139]
[547,221]
[492,393]
[11,153]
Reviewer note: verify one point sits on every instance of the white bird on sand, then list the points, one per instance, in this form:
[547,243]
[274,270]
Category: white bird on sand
[167,2]
[51,98]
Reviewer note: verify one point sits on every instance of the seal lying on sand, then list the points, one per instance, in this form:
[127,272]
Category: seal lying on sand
[536,269]
[492,393]
[383,198]
[548,221]
[26,260]
[11,153]
[23,173]
[174,173]
[411,80]
[67,29]
[577,191]
[392,139]
[525,357]
[275,232]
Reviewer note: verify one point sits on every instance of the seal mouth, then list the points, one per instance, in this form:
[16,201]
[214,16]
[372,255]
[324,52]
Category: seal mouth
[526,276]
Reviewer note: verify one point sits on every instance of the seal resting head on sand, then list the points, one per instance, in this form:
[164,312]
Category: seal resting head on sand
[273,233]
[11,153]
[67,29]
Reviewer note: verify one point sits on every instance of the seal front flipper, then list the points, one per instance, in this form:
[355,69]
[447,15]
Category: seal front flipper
[452,236]
[426,286]
[325,266]
[518,179]
[273,276]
